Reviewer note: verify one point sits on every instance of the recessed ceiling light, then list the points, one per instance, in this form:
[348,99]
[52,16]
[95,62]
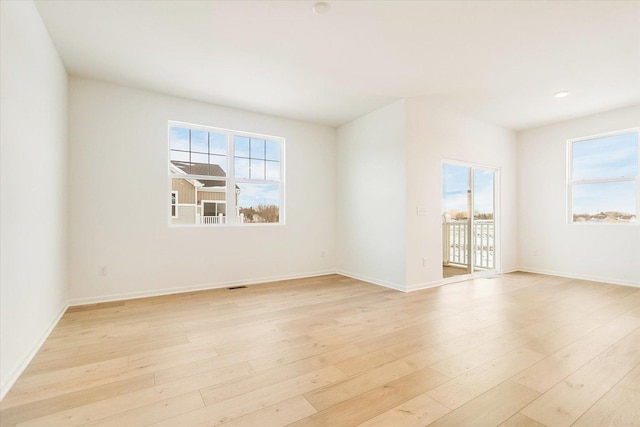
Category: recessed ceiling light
[320,8]
[561,94]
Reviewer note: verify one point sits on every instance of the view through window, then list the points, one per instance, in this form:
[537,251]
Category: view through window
[603,178]
[218,176]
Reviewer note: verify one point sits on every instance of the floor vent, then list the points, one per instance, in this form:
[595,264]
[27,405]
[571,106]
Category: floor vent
[237,287]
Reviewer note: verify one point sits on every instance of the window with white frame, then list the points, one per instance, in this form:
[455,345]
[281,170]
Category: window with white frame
[225,176]
[603,180]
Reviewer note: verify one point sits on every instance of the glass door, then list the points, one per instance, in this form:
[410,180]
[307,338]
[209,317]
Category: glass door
[468,220]
[456,205]
[484,222]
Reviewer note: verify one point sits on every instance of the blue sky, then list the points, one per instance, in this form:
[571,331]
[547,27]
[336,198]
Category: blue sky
[604,197]
[454,189]
[609,157]
[258,194]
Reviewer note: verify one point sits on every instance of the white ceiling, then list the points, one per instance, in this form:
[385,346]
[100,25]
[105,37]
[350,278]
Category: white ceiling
[498,61]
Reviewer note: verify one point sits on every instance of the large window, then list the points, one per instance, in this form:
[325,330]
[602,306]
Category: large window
[224,176]
[603,178]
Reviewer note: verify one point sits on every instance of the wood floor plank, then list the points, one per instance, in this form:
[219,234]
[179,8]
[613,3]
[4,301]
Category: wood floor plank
[517,349]
[163,358]
[197,367]
[280,414]
[231,389]
[363,382]
[371,360]
[477,338]
[553,369]
[428,333]
[632,379]
[419,411]
[10,416]
[491,408]
[376,401]
[619,407]
[31,392]
[461,363]
[104,408]
[281,358]
[95,411]
[519,420]
[236,407]
[206,379]
[568,400]
[625,351]
[614,339]
[44,379]
[464,388]
[149,414]
[564,335]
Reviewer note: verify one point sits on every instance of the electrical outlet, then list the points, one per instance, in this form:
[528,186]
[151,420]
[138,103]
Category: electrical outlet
[424,262]
[322,254]
[102,270]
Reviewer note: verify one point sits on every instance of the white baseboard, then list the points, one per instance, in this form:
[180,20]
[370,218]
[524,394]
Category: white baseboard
[428,285]
[7,382]
[193,288]
[455,279]
[580,276]
[417,286]
[378,282]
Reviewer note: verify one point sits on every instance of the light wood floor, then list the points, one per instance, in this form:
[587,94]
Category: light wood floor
[515,350]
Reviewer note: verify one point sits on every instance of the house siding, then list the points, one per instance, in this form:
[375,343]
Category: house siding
[218,195]
[186,215]
[185,190]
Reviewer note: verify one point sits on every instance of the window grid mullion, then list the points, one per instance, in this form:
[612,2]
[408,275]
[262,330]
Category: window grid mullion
[604,180]
[190,152]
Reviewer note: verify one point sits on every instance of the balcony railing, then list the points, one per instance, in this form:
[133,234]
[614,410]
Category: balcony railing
[455,239]
[211,219]
[189,213]
[219,219]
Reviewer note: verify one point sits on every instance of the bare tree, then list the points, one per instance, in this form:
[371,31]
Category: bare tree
[261,213]
[268,213]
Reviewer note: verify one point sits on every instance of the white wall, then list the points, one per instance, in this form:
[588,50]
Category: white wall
[118,197]
[548,244]
[33,199]
[370,192]
[434,135]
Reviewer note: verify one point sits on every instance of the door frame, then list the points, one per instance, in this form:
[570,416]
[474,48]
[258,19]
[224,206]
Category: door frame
[496,218]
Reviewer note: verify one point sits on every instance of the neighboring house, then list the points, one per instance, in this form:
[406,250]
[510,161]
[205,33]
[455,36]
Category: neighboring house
[198,201]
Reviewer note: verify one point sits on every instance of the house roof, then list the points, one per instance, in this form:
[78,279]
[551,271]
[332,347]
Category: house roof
[203,169]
